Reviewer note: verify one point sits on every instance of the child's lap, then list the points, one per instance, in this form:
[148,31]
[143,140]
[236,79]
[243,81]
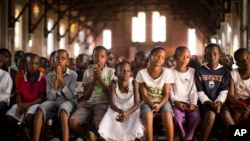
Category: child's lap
[49,108]
[204,108]
[165,108]
[85,110]
[20,117]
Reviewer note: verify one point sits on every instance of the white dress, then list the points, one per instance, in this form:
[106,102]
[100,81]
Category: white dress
[128,130]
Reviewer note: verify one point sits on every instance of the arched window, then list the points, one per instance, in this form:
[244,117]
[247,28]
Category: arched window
[139,27]
[50,40]
[107,39]
[158,27]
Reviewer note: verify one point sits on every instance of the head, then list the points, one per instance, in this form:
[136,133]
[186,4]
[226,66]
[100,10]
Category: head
[5,58]
[18,55]
[226,60]
[82,61]
[212,54]
[21,63]
[72,63]
[52,60]
[44,62]
[62,58]
[33,64]
[100,56]
[123,71]
[242,58]
[112,60]
[141,60]
[157,56]
[182,56]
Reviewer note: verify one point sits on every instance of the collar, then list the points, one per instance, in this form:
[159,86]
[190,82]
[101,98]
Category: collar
[205,65]
[38,76]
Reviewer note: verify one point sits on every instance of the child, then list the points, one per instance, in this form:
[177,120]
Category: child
[30,93]
[154,83]
[95,102]
[112,60]
[212,82]
[72,64]
[140,62]
[61,97]
[184,96]
[122,121]
[82,63]
[239,87]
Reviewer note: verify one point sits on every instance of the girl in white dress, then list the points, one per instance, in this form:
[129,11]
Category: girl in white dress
[121,121]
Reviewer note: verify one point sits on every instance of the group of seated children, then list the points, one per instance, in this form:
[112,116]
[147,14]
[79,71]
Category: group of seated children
[107,100]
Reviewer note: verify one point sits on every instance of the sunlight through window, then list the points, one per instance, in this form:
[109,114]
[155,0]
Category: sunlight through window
[158,27]
[107,39]
[50,41]
[192,41]
[139,28]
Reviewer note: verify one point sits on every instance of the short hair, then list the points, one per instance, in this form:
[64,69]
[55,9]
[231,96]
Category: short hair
[212,45]
[239,51]
[63,50]
[5,52]
[155,49]
[100,48]
[179,49]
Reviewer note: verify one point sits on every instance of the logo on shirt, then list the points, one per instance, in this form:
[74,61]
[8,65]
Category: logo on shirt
[211,84]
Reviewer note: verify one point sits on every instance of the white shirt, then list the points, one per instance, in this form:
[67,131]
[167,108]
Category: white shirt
[155,86]
[5,86]
[184,88]
[241,87]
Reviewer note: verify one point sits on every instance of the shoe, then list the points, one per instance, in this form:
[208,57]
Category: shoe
[79,139]
[90,137]
[55,139]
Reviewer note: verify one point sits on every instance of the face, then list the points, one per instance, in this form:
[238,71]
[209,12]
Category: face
[111,60]
[72,64]
[182,57]
[100,57]
[18,55]
[62,59]
[82,61]
[158,58]
[2,61]
[243,61]
[212,56]
[123,72]
[141,61]
[33,65]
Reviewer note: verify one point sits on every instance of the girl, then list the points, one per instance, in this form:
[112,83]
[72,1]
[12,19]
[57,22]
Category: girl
[184,95]
[239,87]
[212,82]
[154,82]
[121,121]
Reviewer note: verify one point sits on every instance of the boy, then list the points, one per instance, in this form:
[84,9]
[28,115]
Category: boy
[30,93]
[61,98]
[95,81]
[212,82]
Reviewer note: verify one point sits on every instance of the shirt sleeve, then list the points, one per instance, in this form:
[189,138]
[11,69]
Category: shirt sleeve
[69,89]
[168,76]
[51,93]
[6,87]
[201,94]
[171,92]
[193,96]
[139,77]
[225,87]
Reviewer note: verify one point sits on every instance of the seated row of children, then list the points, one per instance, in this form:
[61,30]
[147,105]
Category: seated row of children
[123,107]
